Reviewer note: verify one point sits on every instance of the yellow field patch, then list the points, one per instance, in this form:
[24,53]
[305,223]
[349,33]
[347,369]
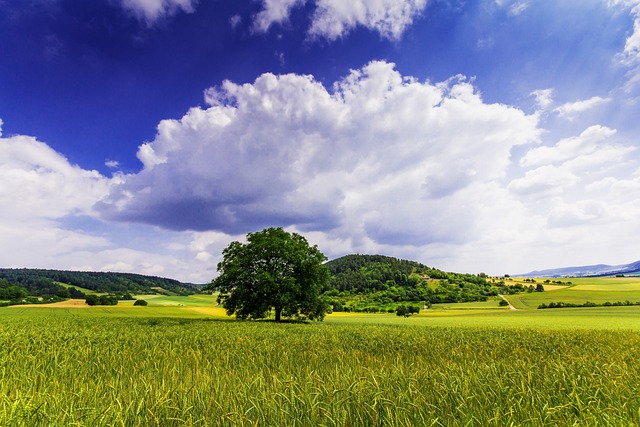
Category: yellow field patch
[71,303]
[553,287]
[209,311]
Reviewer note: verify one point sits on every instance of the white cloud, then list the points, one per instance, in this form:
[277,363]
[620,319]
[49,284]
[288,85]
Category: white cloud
[47,221]
[518,8]
[152,10]
[515,8]
[578,194]
[571,109]
[544,181]
[333,19]
[36,179]
[38,187]
[630,56]
[274,12]
[235,20]
[382,158]
[631,53]
[568,148]
[544,98]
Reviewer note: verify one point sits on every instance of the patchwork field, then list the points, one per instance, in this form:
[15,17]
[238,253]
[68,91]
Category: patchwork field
[182,362]
[597,290]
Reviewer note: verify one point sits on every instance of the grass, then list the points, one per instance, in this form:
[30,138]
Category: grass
[181,362]
[71,370]
[189,301]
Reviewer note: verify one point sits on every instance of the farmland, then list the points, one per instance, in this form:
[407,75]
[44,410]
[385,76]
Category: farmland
[181,362]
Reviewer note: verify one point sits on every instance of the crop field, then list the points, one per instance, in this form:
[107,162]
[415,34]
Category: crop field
[181,362]
[598,290]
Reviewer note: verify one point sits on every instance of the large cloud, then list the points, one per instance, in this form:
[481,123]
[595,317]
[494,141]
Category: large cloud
[39,187]
[381,157]
[333,19]
[47,221]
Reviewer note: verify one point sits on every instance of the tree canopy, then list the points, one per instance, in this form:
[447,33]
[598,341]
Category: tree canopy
[275,270]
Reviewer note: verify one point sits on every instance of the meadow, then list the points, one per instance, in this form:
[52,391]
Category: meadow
[181,362]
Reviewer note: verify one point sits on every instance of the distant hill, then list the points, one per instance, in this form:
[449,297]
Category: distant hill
[378,282]
[588,270]
[56,282]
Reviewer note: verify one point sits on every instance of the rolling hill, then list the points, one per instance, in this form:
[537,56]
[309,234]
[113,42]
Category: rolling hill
[57,282]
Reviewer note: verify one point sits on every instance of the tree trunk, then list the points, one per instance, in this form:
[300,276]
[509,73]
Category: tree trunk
[278,313]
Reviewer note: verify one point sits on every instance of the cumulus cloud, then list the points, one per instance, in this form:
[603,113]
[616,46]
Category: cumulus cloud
[333,19]
[579,194]
[152,10]
[47,221]
[571,109]
[573,161]
[380,157]
[37,179]
[38,187]
[569,148]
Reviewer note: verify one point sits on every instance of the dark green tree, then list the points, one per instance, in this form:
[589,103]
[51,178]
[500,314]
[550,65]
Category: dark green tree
[92,299]
[275,270]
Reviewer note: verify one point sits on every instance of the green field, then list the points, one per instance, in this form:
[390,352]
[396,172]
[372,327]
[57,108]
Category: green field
[181,362]
[598,290]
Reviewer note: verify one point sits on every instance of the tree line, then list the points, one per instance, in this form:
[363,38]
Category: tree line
[19,284]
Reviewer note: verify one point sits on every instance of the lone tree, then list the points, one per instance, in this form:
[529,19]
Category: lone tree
[273,270]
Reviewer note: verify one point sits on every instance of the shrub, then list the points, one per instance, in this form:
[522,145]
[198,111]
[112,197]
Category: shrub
[140,302]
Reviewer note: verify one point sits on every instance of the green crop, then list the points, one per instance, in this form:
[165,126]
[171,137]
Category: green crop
[87,367]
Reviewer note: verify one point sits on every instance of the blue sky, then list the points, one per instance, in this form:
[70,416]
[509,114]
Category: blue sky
[492,135]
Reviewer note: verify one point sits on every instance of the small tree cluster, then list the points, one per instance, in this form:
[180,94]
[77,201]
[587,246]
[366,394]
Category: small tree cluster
[407,310]
[94,299]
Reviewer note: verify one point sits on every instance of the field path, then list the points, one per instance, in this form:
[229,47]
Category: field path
[510,306]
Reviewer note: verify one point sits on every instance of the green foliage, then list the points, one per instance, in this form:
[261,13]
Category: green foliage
[374,283]
[273,270]
[93,299]
[140,302]
[407,310]
[11,292]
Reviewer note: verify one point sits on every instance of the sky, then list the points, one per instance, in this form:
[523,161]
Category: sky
[495,136]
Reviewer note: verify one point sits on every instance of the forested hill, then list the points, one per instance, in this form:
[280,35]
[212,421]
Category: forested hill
[366,273]
[371,282]
[52,282]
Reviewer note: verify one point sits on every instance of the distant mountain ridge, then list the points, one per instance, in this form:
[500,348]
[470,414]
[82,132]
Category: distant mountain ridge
[588,270]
